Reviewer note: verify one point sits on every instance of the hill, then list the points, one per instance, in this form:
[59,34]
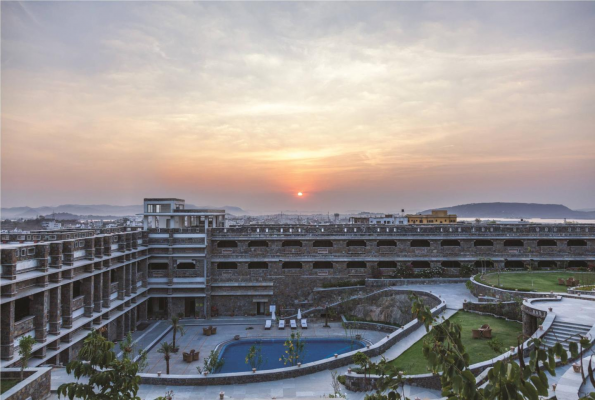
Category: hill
[97,210]
[515,210]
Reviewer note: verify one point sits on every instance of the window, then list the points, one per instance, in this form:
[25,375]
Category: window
[258,243]
[386,243]
[356,265]
[31,251]
[258,265]
[322,243]
[291,265]
[227,265]
[356,243]
[186,265]
[322,265]
[227,244]
[81,243]
[23,252]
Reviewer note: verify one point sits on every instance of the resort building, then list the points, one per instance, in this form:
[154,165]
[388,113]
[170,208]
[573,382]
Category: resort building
[436,217]
[56,285]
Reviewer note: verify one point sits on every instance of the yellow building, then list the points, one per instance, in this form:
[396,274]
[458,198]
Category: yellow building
[437,217]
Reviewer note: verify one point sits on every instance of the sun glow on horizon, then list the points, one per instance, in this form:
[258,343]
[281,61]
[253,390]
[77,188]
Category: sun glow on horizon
[300,194]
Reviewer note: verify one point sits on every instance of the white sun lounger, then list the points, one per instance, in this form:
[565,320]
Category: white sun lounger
[304,323]
[281,324]
[267,324]
[292,324]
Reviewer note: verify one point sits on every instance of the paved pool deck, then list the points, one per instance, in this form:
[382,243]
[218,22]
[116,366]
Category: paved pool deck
[305,387]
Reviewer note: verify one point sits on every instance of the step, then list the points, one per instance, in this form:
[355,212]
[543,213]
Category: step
[567,331]
[571,324]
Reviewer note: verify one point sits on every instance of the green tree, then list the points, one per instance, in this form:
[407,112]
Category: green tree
[363,361]
[295,348]
[109,378]
[254,357]
[128,349]
[213,363]
[25,350]
[176,327]
[166,349]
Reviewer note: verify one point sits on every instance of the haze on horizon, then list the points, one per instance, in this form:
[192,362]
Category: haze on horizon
[363,106]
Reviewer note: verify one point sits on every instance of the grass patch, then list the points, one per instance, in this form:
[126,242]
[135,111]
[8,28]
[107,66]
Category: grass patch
[7,384]
[412,361]
[536,281]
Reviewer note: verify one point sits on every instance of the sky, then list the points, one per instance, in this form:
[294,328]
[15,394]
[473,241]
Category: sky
[373,106]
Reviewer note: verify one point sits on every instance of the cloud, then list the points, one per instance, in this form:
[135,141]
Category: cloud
[270,96]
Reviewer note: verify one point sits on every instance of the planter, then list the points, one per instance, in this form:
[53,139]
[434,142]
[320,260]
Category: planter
[576,368]
[254,370]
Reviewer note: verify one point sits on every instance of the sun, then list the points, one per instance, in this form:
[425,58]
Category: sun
[300,194]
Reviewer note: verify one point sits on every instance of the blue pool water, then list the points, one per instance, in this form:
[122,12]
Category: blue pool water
[315,349]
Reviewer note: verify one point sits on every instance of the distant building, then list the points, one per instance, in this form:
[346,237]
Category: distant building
[387,219]
[51,225]
[436,217]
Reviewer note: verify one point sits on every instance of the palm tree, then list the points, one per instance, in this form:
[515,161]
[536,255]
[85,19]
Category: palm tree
[175,323]
[166,350]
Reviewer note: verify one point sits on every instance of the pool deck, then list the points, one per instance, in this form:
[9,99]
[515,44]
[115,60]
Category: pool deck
[195,339]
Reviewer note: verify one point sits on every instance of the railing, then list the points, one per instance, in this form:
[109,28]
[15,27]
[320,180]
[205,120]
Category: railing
[78,302]
[24,325]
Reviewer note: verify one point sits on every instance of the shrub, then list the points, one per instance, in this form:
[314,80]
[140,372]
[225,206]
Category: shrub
[467,270]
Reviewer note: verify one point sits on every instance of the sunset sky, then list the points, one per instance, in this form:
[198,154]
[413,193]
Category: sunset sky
[360,106]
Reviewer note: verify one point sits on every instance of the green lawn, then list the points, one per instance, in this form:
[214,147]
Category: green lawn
[412,362]
[537,281]
[7,384]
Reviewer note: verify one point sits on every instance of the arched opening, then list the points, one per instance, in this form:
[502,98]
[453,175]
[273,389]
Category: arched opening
[291,243]
[576,243]
[322,265]
[420,243]
[161,266]
[576,264]
[479,264]
[514,264]
[547,243]
[227,265]
[387,264]
[356,243]
[291,265]
[22,308]
[513,243]
[420,264]
[547,265]
[483,243]
[450,243]
[258,243]
[258,265]
[451,264]
[186,265]
[356,264]
[322,243]
[227,244]
[386,243]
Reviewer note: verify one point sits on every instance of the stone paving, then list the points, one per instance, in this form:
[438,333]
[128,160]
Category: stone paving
[576,311]
[195,339]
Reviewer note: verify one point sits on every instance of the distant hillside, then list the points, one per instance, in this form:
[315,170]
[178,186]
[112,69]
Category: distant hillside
[99,210]
[515,210]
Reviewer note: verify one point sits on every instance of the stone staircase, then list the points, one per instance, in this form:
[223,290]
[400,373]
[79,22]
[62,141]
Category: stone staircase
[564,332]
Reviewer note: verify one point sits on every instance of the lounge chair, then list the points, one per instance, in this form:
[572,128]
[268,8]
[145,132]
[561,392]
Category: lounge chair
[304,323]
[292,324]
[206,331]
[187,357]
[281,324]
[561,282]
[213,330]
[487,333]
[484,326]
[476,333]
[195,355]
[267,324]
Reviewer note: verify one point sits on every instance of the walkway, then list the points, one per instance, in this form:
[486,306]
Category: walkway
[577,311]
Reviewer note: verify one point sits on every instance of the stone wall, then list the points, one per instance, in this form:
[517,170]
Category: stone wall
[481,290]
[35,386]
[508,309]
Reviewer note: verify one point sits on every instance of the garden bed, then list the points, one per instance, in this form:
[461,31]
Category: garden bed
[535,281]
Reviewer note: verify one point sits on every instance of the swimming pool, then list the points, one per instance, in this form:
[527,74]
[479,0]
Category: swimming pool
[234,353]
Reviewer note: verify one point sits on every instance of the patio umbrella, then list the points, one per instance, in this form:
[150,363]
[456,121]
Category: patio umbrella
[299,314]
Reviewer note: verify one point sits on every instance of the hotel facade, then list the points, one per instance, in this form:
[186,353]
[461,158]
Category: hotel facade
[57,285]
